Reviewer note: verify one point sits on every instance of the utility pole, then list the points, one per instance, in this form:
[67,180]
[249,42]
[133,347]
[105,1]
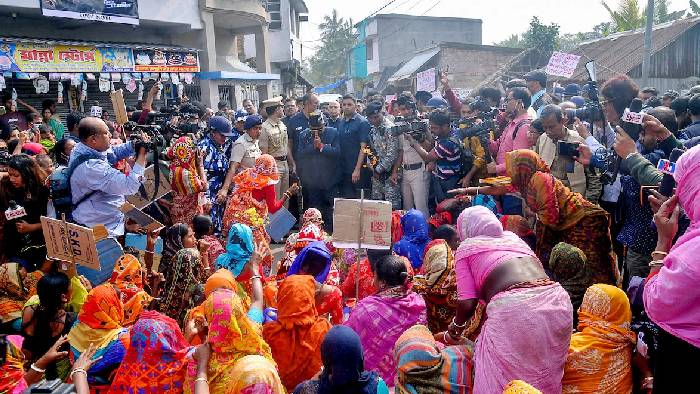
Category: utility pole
[646,61]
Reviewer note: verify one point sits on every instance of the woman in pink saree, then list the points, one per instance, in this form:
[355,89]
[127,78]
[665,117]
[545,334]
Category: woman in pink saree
[380,319]
[529,318]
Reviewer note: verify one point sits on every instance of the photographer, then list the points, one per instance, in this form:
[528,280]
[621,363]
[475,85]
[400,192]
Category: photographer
[98,189]
[415,180]
[475,133]
[446,155]
[514,135]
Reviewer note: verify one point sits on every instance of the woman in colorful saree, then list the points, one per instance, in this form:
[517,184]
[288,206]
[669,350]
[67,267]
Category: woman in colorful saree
[567,264]
[296,336]
[600,354]
[253,198]
[343,367]
[562,215]
[414,239]
[231,336]
[183,285]
[671,297]
[381,318]
[100,323]
[128,278]
[437,284]
[425,368]
[188,180]
[156,359]
[16,287]
[497,267]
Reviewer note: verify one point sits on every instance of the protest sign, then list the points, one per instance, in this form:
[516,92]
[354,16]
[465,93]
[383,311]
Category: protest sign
[142,198]
[70,242]
[119,106]
[562,64]
[425,80]
[375,232]
[141,218]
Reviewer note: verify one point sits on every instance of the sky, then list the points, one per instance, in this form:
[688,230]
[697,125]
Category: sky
[501,18]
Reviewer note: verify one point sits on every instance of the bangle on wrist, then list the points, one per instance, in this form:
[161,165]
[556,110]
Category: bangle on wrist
[658,252]
[37,369]
[205,380]
[454,322]
[256,277]
[78,370]
[656,263]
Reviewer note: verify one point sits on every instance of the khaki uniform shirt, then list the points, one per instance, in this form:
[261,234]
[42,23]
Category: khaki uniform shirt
[273,137]
[245,151]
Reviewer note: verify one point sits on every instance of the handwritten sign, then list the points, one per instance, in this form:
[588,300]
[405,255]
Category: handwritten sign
[562,64]
[425,80]
[632,117]
[70,242]
[376,224]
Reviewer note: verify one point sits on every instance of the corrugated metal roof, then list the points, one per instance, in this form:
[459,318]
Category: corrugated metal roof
[414,64]
[620,53]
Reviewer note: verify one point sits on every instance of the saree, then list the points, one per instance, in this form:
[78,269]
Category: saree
[128,278]
[520,387]
[243,208]
[563,216]
[425,368]
[232,336]
[183,285]
[15,290]
[156,359]
[600,354]
[415,237]
[100,323]
[438,284]
[255,374]
[185,181]
[379,320]
[525,336]
[12,371]
[568,266]
[298,331]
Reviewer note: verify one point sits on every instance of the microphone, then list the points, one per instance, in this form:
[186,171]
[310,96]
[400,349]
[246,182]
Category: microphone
[15,211]
[632,130]
[668,167]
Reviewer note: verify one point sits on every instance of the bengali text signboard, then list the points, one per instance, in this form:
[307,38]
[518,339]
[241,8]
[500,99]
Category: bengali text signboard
[154,60]
[70,242]
[376,224]
[562,64]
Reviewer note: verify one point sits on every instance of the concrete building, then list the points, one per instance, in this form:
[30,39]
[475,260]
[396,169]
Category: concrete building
[285,47]
[385,41]
[205,28]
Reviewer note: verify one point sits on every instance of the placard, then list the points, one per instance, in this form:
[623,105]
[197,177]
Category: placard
[154,60]
[376,224]
[632,117]
[70,242]
[141,218]
[119,106]
[562,64]
[114,11]
[425,80]
[149,185]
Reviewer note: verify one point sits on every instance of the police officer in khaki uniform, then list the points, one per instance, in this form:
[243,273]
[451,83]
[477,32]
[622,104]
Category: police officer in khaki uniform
[243,154]
[273,141]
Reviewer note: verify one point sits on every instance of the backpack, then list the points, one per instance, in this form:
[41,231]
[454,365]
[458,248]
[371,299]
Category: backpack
[60,189]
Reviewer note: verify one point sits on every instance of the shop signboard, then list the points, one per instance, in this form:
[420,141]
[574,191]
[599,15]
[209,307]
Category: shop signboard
[117,60]
[114,11]
[154,60]
[30,57]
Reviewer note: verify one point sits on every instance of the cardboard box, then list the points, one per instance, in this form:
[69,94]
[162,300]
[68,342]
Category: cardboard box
[70,242]
[376,224]
[149,186]
[141,218]
[119,106]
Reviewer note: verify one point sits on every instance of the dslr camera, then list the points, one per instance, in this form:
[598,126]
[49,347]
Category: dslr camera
[415,126]
[487,116]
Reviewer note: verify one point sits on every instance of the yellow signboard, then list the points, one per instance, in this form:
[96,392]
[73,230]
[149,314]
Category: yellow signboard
[57,58]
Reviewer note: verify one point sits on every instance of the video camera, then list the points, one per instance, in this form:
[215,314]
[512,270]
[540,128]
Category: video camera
[487,116]
[414,126]
[591,112]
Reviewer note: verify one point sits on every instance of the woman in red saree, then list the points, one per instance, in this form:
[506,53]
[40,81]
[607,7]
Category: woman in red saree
[188,180]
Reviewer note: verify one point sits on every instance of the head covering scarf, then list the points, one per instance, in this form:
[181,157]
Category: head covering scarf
[313,253]
[221,279]
[264,173]
[310,232]
[480,230]
[156,359]
[172,243]
[12,371]
[415,237]
[520,387]
[128,278]
[254,374]
[521,165]
[100,322]
[438,284]
[671,298]
[312,215]
[600,354]
[424,368]
[298,331]
[568,266]
[14,291]
[343,364]
[183,287]
[239,248]
[183,167]
[396,230]
[232,336]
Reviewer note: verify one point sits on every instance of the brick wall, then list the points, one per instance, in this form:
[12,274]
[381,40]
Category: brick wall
[468,67]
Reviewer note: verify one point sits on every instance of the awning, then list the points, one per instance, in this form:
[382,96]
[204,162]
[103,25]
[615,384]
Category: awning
[411,66]
[239,76]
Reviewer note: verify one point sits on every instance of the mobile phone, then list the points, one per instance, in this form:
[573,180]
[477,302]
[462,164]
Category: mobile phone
[568,149]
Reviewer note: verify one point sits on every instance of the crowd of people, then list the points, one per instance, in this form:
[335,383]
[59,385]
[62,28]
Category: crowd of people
[536,247]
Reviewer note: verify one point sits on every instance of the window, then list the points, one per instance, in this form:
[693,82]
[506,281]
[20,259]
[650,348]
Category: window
[273,8]
[370,50]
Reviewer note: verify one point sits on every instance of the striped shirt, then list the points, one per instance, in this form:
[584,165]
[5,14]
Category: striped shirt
[449,162]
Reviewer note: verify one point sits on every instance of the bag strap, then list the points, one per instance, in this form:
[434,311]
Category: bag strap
[517,128]
[78,161]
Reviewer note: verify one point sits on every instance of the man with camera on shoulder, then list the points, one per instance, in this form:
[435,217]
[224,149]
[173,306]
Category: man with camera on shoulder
[99,190]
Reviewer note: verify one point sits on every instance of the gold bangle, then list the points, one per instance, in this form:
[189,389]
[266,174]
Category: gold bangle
[663,254]
[656,263]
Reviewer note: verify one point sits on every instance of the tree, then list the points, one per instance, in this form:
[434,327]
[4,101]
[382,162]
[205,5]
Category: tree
[694,8]
[513,41]
[628,15]
[543,39]
[328,63]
